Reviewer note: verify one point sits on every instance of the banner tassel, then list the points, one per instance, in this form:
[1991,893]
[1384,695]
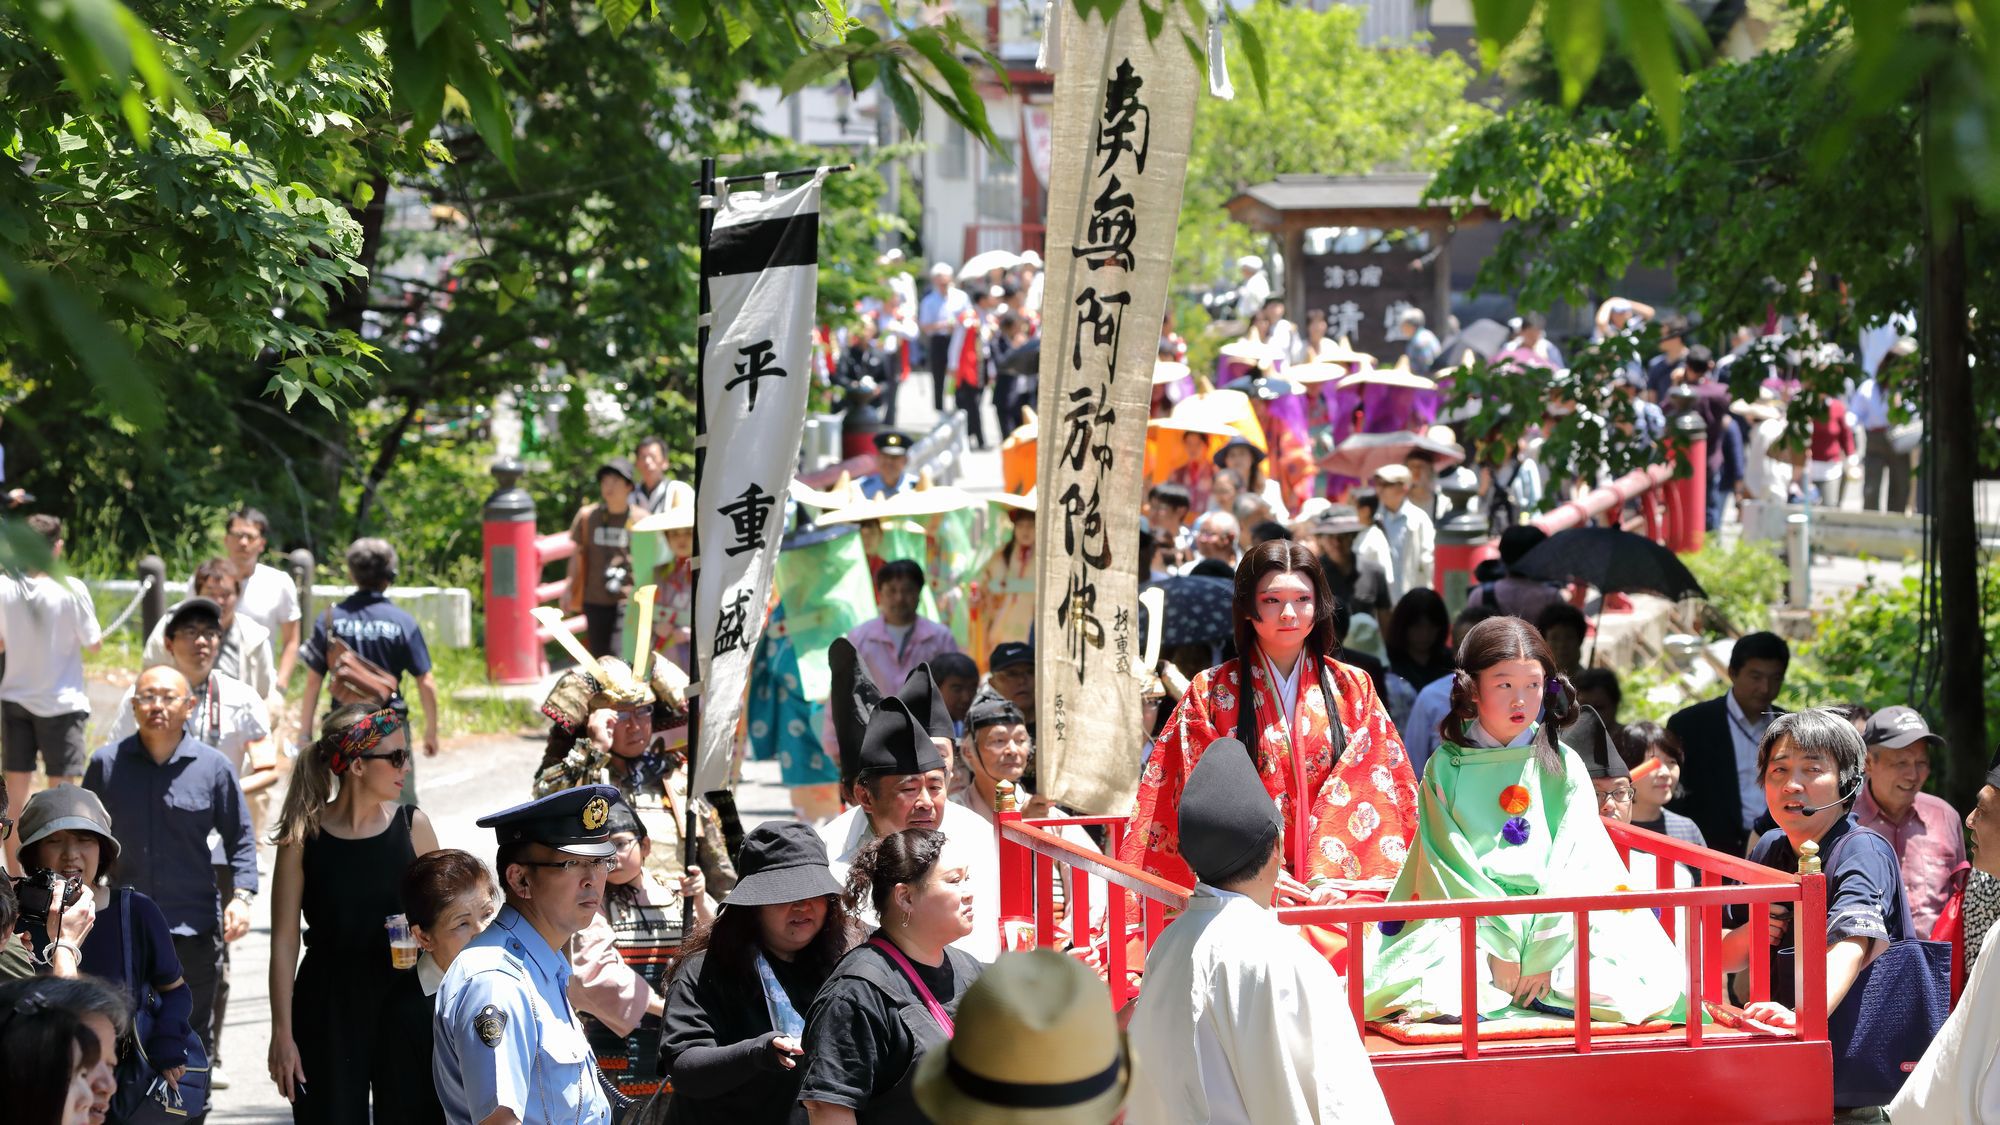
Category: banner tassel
[1050,56]
[1218,66]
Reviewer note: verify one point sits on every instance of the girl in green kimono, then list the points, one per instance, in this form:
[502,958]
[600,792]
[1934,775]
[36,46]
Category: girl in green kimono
[1505,810]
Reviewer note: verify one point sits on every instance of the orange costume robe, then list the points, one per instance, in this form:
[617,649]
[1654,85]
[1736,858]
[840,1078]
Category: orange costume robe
[1360,813]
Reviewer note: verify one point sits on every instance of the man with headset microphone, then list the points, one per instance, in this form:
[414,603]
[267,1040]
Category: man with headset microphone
[1811,767]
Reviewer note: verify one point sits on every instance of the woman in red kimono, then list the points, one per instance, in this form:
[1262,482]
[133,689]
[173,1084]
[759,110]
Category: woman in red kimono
[1350,776]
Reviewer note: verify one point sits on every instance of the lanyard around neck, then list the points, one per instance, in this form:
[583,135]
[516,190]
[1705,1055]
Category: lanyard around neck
[936,1009]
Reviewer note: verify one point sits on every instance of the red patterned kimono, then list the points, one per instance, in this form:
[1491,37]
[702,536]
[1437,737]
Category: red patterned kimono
[1360,814]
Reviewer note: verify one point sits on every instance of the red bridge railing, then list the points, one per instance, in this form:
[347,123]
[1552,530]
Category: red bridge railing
[1795,1066]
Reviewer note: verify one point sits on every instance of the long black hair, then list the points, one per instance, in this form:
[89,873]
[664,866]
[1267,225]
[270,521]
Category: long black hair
[1285,556]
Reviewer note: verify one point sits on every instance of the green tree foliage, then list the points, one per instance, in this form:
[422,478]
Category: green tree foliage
[1332,105]
[1739,212]
[1871,648]
[290,228]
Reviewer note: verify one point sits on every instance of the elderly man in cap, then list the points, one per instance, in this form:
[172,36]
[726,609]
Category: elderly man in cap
[892,467]
[600,570]
[607,728]
[901,775]
[1922,828]
[1403,540]
[1590,739]
[1241,1020]
[1957,1082]
[997,747]
[508,1045]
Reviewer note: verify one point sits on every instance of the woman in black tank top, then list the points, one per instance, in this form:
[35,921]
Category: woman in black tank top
[352,1024]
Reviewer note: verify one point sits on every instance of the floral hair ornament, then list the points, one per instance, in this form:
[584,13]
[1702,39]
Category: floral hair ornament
[346,748]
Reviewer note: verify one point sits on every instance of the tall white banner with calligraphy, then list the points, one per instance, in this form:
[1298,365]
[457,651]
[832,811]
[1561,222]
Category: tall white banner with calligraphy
[1124,112]
[761,267]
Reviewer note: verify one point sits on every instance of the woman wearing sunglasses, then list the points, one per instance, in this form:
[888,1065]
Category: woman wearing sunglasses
[343,844]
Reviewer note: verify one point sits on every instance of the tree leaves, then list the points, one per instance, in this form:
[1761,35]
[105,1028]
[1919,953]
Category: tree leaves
[1253,53]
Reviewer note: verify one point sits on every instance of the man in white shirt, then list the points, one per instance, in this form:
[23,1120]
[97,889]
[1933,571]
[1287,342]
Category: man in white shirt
[1406,531]
[246,645]
[1241,1020]
[939,319]
[900,784]
[1253,287]
[269,595]
[45,625]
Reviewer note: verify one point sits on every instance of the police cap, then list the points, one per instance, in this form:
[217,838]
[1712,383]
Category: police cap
[577,821]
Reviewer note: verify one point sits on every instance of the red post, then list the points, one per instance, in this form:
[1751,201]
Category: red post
[1687,493]
[1017,877]
[513,569]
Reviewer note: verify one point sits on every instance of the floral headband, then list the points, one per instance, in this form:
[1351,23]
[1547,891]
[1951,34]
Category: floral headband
[346,748]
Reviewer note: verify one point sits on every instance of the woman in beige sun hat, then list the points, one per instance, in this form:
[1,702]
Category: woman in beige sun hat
[1035,1042]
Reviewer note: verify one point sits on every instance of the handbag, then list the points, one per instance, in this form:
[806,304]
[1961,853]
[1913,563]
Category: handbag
[144,1097]
[1892,1012]
[1904,438]
[352,677]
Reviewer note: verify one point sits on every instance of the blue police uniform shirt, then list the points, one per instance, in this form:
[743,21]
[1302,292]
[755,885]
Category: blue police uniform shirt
[875,488]
[506,1035]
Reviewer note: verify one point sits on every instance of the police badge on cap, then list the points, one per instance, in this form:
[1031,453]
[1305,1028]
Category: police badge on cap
[571,821]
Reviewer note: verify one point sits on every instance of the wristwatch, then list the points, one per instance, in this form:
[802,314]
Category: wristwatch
[246,896]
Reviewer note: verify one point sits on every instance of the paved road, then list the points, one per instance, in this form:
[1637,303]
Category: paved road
[469,778]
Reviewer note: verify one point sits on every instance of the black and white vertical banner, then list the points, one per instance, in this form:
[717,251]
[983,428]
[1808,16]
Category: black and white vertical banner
[761,266]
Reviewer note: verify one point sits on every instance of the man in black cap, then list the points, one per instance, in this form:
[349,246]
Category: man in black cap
[508,1046]
[600,570]
[1011,674]
[892,467]
[1241,1019]
[1587,737]
[901,777]
[1923,829]
[997,747]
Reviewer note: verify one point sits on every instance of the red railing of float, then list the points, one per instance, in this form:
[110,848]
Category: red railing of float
[1030,851]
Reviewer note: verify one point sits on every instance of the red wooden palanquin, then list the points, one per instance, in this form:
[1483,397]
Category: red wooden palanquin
[1696,1073]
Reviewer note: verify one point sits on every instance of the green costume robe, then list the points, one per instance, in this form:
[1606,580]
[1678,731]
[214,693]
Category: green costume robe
[1464,848]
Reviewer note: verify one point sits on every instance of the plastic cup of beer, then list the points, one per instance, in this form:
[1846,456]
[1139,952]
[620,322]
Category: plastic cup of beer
[402,945]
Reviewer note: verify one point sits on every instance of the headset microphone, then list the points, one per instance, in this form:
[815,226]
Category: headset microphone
[1815,810]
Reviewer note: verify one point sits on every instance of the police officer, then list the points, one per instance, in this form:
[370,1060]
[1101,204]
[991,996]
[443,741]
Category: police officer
[509,1047]
[892,467]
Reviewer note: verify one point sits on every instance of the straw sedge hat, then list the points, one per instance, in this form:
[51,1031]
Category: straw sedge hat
[1036,1042]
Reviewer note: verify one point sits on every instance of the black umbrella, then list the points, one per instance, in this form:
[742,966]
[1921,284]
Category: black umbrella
[1611,559]
[1024,360]
[1197,610]
[1484,337]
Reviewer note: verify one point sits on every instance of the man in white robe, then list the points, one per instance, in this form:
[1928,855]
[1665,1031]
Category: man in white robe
[1240,1021]
[903,769]
[1957,1082]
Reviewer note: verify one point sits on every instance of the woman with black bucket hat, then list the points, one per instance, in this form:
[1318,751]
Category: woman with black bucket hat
[736,1007]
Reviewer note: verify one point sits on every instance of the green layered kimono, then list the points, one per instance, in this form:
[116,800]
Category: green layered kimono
[1493,822]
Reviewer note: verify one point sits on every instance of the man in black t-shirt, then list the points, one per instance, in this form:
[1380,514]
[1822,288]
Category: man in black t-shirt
[379,632]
